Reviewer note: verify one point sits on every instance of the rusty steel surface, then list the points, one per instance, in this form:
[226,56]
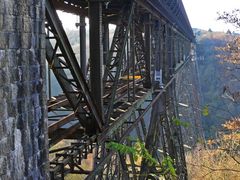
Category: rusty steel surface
[127,94]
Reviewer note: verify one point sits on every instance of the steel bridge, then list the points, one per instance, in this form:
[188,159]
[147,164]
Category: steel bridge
[125,91]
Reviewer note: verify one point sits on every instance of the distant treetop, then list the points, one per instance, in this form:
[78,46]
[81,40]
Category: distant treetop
[229,32]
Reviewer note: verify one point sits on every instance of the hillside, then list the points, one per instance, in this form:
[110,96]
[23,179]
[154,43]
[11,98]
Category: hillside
[215,75]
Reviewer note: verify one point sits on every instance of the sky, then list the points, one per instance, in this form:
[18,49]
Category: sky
[201,13]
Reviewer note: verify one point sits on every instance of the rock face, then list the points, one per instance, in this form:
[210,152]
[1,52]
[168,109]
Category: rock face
[23,122]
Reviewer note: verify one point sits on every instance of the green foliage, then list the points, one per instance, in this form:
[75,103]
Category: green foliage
[167,164]
[138,150]
[178,122]
[205,110]
[143,152]
[123,149]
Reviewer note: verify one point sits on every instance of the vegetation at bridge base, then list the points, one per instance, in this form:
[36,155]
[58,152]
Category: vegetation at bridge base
[220,159]
[165,168]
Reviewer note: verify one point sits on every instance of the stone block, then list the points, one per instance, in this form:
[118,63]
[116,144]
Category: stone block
[9,7]
[26,25]
[26,40]
[9,22]
[24,57]
[11,57]
[2,7]
[3,109]
[33,53]
[35,103]
[4,40]
[42,142]
[3,59]
[23,72]
[4,146]
[3,165]
[14,90]
[18,24]
[42,41]
[2,133]
[13,75]
[14,41]
[2,55]
[23,125]
[12,108]
[1,21]
[3,78]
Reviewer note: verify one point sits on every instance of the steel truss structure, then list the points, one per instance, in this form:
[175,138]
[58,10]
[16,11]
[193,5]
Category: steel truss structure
[129,92]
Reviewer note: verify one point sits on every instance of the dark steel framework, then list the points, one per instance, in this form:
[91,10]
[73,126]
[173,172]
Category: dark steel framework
[129,90]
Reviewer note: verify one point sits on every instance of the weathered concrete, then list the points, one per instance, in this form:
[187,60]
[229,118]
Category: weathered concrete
[23,122]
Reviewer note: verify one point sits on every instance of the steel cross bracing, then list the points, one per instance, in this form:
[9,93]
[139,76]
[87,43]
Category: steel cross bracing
[63,62]
[110,160]
[144,42]
[113,66]
[140,50]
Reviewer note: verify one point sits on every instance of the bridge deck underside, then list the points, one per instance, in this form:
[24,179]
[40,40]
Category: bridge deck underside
[172,11]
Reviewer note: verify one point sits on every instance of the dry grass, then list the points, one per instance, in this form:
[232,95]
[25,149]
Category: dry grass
[213,164]
[221,159]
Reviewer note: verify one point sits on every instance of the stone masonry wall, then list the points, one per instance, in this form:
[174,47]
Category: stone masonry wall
[23,122]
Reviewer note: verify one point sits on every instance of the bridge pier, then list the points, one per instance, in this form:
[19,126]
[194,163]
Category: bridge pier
[23,121]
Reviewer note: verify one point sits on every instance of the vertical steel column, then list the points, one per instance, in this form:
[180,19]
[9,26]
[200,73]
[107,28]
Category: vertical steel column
[173,113]
[132,58]
[162,62]
[148,49]
[170,101]
[49,83]
[96,52]
[174,50]
[83,59]
[166,78]
[170,50]
[181,51]
[152,139]
[178,50]
[105,42]
[157,43]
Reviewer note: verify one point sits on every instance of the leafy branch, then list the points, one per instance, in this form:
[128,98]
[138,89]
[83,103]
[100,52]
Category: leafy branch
[139,151]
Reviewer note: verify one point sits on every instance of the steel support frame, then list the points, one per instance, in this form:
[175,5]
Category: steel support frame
[82,94]
[148,49]
[83,58]
[126,54]
[116,55]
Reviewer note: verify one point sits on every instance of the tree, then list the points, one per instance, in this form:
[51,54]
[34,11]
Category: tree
[230,53]
[231,17]
[221,159]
